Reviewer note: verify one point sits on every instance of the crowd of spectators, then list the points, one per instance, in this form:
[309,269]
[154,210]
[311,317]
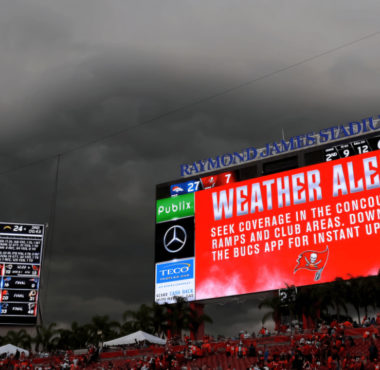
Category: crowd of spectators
[333,346]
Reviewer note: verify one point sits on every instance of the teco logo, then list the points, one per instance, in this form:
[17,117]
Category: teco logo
[175,239]
[178,269]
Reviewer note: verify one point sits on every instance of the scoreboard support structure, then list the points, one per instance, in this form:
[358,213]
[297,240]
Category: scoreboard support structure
[198,332]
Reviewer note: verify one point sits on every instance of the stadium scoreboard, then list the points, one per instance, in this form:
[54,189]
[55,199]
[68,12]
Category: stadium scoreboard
[301,218]
[21,248]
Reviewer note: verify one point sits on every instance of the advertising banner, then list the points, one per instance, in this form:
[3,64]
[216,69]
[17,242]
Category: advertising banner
[173,208]
[299,227]
[174,279]
[175,239]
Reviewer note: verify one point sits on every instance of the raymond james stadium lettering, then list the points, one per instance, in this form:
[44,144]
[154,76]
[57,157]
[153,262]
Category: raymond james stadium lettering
[279,147]
[300,187]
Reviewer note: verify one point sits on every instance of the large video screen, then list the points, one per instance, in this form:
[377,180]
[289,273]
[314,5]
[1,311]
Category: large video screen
[20,266]
[299,227]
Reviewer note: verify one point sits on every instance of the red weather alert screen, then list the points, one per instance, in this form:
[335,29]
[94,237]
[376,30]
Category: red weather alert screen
[299,227]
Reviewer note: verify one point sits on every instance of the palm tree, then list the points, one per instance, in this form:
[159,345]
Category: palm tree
[314,302]
[275,305]
[18,338]
[369,290]
[80,335]
[127,327]
[307,305]
[159,319]
[101,328]
[140,319]
[47,337]
[178,314]
[66,339]
[338,296]
[376,280]
[355,296]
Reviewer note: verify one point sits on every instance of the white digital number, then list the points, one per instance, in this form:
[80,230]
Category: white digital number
[193,186]
[346,152]
[228,177]
[363,149]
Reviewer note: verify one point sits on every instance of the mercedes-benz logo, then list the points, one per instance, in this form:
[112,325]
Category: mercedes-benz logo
[175,239]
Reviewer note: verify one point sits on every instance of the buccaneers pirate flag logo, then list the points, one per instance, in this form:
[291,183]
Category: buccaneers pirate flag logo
[312,261]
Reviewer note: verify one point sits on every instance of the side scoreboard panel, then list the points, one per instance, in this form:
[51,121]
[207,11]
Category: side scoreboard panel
[21,247]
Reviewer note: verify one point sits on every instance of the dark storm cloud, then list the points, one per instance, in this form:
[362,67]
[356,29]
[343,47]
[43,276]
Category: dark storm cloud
[73,72]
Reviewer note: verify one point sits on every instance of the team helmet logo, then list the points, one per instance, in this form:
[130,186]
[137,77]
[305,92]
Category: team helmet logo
[177,189]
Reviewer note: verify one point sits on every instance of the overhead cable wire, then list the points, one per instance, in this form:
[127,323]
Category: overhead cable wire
[194,103]
[50,235]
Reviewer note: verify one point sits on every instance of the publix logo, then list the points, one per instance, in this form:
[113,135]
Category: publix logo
[175,207]
[172,271]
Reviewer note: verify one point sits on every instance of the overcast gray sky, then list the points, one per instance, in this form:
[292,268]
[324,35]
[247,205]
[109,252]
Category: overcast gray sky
[73,71]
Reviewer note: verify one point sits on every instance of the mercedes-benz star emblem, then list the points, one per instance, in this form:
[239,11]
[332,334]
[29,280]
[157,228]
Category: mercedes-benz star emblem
[175,239]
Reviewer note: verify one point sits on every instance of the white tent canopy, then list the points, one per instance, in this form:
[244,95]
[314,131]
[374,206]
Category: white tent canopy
[138,336]
[11,349]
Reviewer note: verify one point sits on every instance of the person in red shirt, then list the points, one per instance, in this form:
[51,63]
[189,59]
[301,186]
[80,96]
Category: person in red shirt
[366,336]
[187,339]
[347,324]
[378,319]
[293,342]
[228,349]
[198,352]
[306,351]
[375,332]
[206,348]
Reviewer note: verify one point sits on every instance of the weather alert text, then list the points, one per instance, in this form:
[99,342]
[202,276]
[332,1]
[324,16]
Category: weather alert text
[298,227]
